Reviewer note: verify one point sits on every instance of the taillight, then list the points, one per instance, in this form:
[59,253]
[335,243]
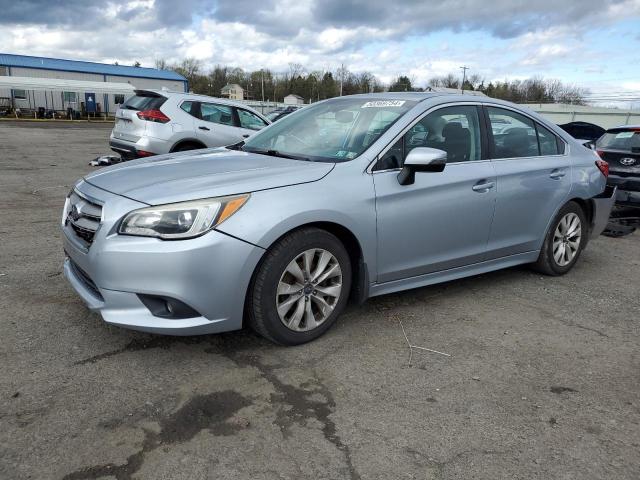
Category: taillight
[600,153]
[144,153]
[153,116]
[603,167]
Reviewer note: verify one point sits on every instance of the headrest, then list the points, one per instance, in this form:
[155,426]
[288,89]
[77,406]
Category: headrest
[453,128]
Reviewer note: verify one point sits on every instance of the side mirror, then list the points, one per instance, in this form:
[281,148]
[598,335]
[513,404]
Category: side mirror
[421,159]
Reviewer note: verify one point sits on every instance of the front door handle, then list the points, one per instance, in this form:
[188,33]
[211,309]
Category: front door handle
[557,174]
[482,186]
[204,128]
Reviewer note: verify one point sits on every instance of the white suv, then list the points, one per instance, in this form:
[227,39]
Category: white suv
[154,122]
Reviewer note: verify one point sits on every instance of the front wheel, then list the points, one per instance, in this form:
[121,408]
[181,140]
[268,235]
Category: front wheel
[300,288]
[564,241]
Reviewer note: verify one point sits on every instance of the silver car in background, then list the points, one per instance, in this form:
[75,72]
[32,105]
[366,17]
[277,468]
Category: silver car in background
[154,122]
[352,197]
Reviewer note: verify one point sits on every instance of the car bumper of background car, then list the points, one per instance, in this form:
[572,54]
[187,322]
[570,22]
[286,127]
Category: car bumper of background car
[210,274]
[144,147]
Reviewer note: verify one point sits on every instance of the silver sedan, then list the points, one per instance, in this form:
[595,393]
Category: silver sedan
[348,198]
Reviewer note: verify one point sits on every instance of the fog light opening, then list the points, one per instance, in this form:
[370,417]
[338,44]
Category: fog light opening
[167,307]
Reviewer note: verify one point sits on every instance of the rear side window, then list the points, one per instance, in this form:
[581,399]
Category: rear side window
[627,140]
[216,113]
[249,120]
[144,102]
[514,135]
[548,141]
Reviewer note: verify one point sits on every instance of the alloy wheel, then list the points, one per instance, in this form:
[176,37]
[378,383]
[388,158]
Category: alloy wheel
[309,290]
[566,239]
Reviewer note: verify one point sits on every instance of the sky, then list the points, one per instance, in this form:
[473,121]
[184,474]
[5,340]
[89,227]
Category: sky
[594,44]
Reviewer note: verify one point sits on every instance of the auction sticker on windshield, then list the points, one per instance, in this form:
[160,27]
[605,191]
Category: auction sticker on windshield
[383,103]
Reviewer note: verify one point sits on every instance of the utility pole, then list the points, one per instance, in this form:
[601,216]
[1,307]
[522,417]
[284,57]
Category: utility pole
[341,77]
[262,72]
[464,69]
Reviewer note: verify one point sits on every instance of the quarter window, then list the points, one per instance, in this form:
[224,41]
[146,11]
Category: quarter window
[188,107]
[216,113]
[514,135]
[249,120]
[548,141]
[455,130]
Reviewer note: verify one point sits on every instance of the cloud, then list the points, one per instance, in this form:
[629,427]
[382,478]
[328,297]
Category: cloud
[422,38]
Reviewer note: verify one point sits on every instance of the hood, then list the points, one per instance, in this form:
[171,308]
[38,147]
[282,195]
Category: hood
[201,174]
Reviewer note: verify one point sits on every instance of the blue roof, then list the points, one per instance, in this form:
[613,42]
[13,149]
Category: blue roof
[25,61]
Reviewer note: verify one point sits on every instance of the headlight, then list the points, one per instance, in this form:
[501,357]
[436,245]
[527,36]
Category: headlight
[181,220]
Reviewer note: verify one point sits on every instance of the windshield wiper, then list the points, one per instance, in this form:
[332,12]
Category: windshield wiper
[276,153]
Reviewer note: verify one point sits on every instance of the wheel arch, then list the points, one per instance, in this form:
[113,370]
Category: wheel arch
[360,273]
[184,141]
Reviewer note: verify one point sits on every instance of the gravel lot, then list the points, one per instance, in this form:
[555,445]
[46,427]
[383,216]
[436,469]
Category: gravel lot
[543,381]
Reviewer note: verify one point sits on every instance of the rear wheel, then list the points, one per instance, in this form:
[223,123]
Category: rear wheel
[300,288]
[564,241]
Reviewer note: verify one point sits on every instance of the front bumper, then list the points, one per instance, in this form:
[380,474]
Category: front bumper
[210,274]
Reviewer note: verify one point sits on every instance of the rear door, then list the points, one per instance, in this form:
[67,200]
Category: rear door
[533,180]
[216,126]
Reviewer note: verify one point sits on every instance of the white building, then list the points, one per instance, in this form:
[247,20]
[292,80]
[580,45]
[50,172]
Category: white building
[293,99]
[232,91]
[58,69]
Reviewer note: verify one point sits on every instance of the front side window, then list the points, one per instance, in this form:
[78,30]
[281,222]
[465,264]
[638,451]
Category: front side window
[514,135]
[455,130]
[336,130]
[249,120]
[216,113]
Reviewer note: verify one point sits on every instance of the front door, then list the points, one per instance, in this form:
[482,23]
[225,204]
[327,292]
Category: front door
[533,181]
[442,220]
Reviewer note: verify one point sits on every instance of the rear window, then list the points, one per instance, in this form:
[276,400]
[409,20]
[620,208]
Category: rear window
[144,102]
[628,140]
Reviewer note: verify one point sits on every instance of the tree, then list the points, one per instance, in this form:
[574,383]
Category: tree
[136,64]
[401,84]
[161,64]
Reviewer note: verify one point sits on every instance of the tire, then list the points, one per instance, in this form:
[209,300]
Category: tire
[183,147]
[547,262]
[276,296]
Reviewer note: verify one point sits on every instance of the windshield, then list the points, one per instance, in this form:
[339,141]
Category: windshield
[334,131]
[628,140]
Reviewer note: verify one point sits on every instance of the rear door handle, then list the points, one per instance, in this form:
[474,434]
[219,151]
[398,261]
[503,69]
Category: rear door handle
[204,128]
[557,174]
[482,186]
[246,135]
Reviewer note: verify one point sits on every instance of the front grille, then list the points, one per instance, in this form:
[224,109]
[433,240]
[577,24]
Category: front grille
[85,279]
[83,216]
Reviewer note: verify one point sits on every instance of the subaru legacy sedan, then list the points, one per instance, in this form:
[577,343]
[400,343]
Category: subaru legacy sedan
[349,198]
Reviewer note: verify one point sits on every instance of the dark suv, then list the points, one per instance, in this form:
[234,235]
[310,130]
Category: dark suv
[620,147]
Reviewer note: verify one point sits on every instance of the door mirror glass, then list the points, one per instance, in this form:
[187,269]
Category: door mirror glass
[422,159]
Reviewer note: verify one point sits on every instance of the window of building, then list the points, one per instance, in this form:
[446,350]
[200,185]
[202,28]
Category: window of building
[69,97]
[19,94]
[118,99]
